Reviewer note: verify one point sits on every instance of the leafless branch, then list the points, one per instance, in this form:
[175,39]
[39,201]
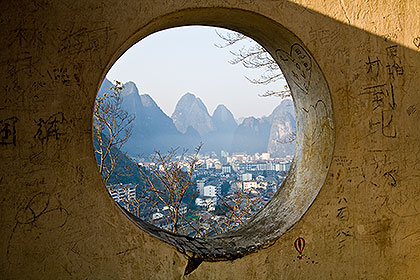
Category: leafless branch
[112,127]
[254,56]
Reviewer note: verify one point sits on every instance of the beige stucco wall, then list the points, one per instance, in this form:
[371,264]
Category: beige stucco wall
[57,220]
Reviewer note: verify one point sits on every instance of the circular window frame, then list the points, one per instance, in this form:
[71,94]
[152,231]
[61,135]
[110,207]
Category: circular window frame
[314,134]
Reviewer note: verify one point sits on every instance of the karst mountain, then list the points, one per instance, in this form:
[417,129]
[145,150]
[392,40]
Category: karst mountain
[192,124]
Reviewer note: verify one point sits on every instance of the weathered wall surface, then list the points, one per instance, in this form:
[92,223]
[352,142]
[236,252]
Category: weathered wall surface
[57,220]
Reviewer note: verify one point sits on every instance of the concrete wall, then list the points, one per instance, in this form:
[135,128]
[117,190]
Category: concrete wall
[56,217]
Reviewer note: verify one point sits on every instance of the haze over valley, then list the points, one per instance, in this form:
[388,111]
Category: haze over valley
[191,124]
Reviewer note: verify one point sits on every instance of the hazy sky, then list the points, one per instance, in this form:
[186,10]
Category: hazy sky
[170,63]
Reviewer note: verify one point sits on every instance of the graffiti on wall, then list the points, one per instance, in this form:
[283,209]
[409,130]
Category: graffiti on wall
[8,131]
[299,62]
[382,73]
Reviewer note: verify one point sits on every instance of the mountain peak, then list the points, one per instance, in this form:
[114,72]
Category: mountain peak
[284,109]
[187,97]
[220,109]
[129,88]
[147,101]
[223,119]
[191,111]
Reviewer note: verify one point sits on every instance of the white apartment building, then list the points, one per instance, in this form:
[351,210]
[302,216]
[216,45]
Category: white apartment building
[120,192]
[226,169]
[246,177]
[200,187]
[208,202]
[210,191]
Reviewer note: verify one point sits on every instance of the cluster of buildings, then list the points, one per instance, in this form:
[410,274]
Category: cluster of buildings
[241,162]
[252,175]
[208,195]
[218,181]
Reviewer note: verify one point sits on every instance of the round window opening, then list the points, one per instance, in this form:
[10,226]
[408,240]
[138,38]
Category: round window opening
[197,155]
[169,161]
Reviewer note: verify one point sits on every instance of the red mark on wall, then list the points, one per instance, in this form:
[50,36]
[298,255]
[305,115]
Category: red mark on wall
[299,246]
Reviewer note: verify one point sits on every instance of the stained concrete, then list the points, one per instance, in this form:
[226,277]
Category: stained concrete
[57,220]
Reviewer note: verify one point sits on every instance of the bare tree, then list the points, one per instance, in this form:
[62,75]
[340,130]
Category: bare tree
[232,210]
[240,206]
[254,56]
[169,182]
[166,194]
[112,127]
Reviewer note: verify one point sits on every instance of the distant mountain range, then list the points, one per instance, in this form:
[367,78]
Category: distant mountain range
[191,124]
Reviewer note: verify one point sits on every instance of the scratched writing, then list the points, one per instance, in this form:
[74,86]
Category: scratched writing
[347,174]
[319,113]
[50,128]
[385,174]
[19,68]
[373,67]
[35,37]
[412,109]
[13,95]
[328,40]
[60,74]
[38,85]
[394,65]
[382,98]
[343,235]
[40,205]
[42,211]
[342,213]
[8,131]
[381,74]
[299,62]
[22,64]
[65,76]
[18,36]
[383,170]
[324,36]
[84,40]
[391,177]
